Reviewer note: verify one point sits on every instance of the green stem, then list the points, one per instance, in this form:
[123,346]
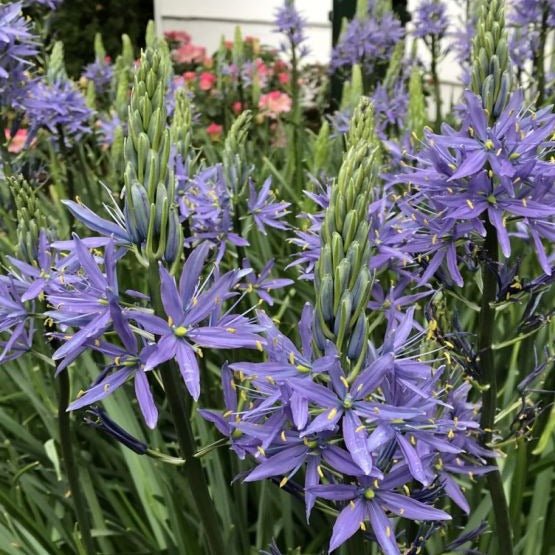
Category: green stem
[539,58]
[72,472]
[296,120]
[488,378]
[435,82]
[180,409]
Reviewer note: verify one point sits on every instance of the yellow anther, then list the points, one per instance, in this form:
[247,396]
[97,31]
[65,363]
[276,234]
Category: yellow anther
[332,414]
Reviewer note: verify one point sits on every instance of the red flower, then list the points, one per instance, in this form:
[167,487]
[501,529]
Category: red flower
[215,131]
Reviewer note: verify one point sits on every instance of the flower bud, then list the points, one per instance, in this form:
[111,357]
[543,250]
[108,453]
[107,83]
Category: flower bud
[325,295]
[174,241]
[343,318]
[341,278]
[358,338]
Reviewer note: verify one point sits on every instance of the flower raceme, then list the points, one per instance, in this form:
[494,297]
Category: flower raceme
[498,170]
[86,311]
[364,440]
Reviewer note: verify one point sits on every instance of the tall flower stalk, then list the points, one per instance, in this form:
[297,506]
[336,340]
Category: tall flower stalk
[491,80]
[291,24]
[342,277]
[155,229]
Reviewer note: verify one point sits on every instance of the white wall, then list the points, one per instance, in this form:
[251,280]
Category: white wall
[207,20]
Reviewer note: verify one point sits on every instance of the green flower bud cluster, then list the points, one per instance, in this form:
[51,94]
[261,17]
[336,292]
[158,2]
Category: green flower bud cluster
[395,66]
[30,218]
[353,89]
[56,70]
[342,276]
[416,112]
[238,50]
[361,11]
[235,159]
[150,208]
[491,70]
[181,129]
[321,149]
[123,75]
[99,54]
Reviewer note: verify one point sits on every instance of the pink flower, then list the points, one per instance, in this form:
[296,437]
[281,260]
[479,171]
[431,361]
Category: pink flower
[182,37]
[261,68]
[16,142]
[215,131]
[190,76]
[237,107]
[189,53]
[274,103]
[206,80]
[283,78]
[208,62]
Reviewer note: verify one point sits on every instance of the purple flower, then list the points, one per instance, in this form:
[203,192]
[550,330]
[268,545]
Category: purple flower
[263,284]
[368,502]
[107,126]
[483,171]
[100,72]
[128,362]
[14,321]
[17,45]
[57,106]
[290,22]
[206,203]
[90,304]
[529,12]
[430,18]
[264,211]
[195,320]
[367,42]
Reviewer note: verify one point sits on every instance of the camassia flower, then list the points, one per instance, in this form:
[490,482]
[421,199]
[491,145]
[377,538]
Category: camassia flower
[17,46]
[263,284]
[194,319]
[262,208]
[361,439]
[90,304]
[128,362]
[55,106]
[368,501]
[497,173]
[430,18]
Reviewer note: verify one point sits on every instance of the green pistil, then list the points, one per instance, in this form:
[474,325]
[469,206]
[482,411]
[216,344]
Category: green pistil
[369,493]
[180,331]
